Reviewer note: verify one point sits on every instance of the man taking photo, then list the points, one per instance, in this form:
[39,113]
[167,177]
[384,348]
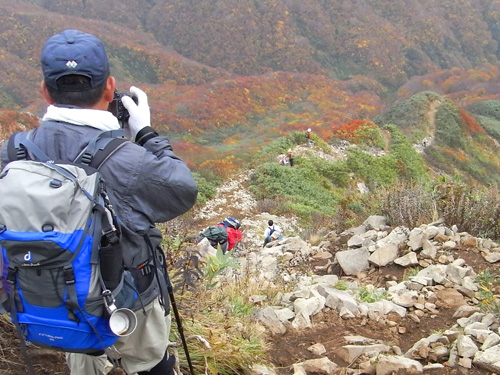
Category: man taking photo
[146,183]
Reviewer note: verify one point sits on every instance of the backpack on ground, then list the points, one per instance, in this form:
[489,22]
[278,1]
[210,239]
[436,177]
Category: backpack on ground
[57,228]
[216,234]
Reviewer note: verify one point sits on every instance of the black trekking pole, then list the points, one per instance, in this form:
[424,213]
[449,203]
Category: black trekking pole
[178,319]
[170,291]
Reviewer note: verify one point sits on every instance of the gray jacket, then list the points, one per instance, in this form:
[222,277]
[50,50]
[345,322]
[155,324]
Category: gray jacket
[146,184]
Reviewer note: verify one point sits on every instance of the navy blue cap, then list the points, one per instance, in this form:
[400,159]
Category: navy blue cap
[74,52]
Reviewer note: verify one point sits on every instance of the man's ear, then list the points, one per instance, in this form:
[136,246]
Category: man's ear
[110,89]
[45,93]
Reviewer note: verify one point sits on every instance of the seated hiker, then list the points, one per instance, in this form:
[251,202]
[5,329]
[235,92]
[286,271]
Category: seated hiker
[272,232]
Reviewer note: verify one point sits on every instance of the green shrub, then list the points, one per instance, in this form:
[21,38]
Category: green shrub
[341,285]
[449,130]
[486,108]
[370,295]
[409,163]
[370,136]
[216,265]
[489,285]
[409,113]
[280,146]
[206,189]
[335,171]
[301,190]
[491,125]
[375,171]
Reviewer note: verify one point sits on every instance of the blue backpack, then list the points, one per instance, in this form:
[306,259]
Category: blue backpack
[57,233]
[231,222]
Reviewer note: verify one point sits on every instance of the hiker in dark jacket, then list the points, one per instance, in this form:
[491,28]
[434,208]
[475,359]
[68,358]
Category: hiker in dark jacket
[146,182]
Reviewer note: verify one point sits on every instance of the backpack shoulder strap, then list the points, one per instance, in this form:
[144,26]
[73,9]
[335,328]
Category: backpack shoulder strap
[20,147]
[15,150]
[100,148]
[108,148]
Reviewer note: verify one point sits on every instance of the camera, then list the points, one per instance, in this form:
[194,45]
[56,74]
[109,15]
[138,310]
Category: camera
[117,108]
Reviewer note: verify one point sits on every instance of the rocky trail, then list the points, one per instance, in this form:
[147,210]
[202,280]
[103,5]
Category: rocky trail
[371,300]
[428,321]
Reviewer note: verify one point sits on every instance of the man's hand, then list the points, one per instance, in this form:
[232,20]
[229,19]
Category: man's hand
[140,116]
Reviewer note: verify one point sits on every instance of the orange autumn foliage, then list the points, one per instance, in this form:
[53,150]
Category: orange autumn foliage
[470,122]
[12,121]
[350,130]
[456,154]
[221,167]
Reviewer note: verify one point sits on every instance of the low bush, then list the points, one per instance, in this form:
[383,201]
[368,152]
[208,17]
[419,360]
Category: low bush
[472,209]
[303,191]
[408,204]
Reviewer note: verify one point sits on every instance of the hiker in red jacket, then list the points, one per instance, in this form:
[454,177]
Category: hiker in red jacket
[234,235]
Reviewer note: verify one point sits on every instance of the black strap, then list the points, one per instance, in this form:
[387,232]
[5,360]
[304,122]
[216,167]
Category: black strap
[14,308]
[14,151]
[33,149]
[71,299]
[15,303]
[164,300]
[97,151]
[100,148]
[103,154]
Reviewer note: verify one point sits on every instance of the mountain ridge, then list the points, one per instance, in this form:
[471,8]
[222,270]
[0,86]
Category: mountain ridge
[225,79]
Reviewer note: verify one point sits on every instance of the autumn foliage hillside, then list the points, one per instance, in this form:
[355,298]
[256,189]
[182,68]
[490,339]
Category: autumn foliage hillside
[393,40]
[226,77]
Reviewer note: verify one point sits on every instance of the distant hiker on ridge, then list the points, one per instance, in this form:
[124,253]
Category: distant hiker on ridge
[289,156]
[308,137]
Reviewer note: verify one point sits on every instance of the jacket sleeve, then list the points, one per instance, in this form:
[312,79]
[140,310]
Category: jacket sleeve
[158,186]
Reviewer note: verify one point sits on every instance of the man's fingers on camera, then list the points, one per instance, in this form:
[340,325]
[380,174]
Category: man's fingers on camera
[141,96]
[128,102]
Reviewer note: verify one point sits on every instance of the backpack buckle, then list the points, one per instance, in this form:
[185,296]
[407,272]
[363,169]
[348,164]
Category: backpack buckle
[112,236]
[21,153]
[69,276]
[86,157]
